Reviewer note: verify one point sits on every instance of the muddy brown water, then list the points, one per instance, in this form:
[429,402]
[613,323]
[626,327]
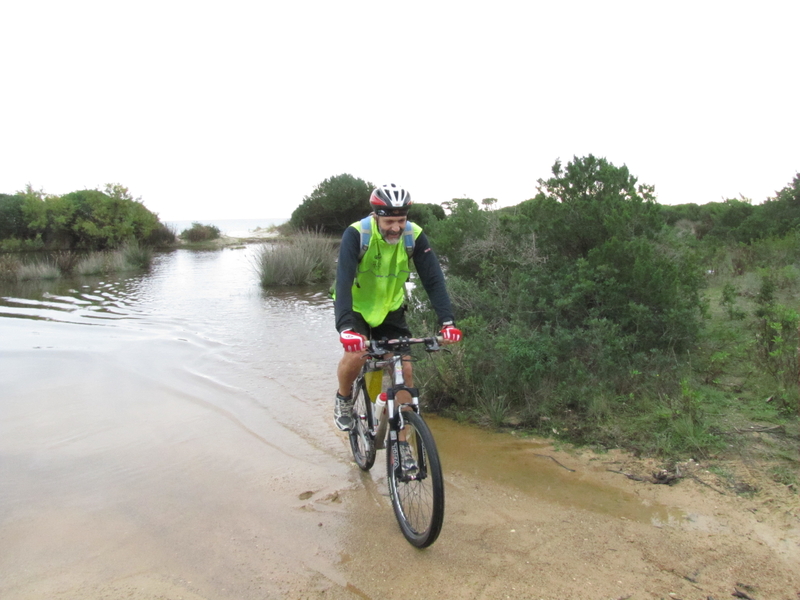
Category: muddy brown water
[169,435]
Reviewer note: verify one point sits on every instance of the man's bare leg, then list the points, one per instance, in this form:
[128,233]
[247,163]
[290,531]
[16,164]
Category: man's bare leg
[349,367]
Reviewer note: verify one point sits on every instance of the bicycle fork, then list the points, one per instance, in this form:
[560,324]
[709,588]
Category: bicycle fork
[395,417]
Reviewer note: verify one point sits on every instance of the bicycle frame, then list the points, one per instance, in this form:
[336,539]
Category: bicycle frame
[397,349]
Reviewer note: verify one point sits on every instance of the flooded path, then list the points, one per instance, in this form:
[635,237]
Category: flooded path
[169,435]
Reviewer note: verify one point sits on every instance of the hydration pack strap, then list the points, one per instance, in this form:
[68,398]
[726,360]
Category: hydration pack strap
[366,234]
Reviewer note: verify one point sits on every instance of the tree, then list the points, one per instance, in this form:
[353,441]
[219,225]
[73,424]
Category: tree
[589,202]
[12,222]
[425,214]
[119,192]
[334,204]
[779,215]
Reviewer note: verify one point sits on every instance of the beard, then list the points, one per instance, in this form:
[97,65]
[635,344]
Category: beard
[385,234]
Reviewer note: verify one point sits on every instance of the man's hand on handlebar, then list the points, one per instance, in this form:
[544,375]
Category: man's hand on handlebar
[353,341]
[450,333]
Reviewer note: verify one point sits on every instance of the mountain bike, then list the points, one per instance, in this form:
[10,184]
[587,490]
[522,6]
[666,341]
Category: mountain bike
[417,494]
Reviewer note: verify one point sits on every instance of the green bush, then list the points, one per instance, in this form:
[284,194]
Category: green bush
[82,220]
[575,307]
[200,233]
[334,204]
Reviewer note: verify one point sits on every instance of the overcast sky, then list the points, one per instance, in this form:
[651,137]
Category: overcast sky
[238,109]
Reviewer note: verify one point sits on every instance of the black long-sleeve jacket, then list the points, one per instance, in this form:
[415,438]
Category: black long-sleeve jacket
[426,264]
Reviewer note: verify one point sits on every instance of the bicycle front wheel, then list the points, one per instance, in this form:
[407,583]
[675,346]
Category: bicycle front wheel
[417,498]
[361,442]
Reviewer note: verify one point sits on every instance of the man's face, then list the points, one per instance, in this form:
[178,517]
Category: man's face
[391,228]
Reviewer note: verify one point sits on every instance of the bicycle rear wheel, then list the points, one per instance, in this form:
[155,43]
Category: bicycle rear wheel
[361,442]
[418,500]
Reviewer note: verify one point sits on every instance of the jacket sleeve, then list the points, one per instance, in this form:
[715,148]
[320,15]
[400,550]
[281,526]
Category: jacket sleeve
[345,276]
[432,278]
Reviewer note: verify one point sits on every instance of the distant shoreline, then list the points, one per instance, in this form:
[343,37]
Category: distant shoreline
[235,228]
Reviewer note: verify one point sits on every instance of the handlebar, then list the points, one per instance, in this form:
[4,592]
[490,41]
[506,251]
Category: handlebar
[378,348]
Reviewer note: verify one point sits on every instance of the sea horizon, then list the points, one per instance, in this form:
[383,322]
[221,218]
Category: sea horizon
[229,227]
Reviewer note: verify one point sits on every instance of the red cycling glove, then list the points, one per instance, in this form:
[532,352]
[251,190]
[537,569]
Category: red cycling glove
[451,334]
[352,341]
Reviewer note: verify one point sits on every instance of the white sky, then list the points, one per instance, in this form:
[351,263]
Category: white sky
[238,109]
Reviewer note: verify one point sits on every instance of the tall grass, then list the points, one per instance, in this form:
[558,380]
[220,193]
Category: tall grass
[101,263]
[9,265]
[132,256]
[45,269]
[306,258]
[136,256]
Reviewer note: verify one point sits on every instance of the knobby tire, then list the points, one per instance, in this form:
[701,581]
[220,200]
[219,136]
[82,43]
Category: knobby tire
[361,442]
[418,503]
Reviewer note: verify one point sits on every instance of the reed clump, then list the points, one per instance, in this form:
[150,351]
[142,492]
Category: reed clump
[306,258]
[131,256]
[45,269]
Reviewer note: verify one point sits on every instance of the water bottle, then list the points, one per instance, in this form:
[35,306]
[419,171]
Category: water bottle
[380,419]
[380,406]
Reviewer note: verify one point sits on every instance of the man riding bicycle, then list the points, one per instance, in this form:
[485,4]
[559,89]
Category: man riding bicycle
[370,288]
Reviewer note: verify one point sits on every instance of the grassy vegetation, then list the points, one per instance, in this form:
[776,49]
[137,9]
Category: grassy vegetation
[131,256]
[303,259]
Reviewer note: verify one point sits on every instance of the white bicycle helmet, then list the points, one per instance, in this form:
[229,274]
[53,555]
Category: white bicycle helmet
[390,200]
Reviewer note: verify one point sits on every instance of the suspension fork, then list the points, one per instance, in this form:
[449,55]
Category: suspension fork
[395,416]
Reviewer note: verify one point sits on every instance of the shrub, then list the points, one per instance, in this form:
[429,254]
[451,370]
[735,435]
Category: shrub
[333,205]
[18,245]
[573,306]
[162,235]
[200,233]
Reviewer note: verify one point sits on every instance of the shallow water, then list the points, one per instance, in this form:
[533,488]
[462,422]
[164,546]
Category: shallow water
[174,422]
